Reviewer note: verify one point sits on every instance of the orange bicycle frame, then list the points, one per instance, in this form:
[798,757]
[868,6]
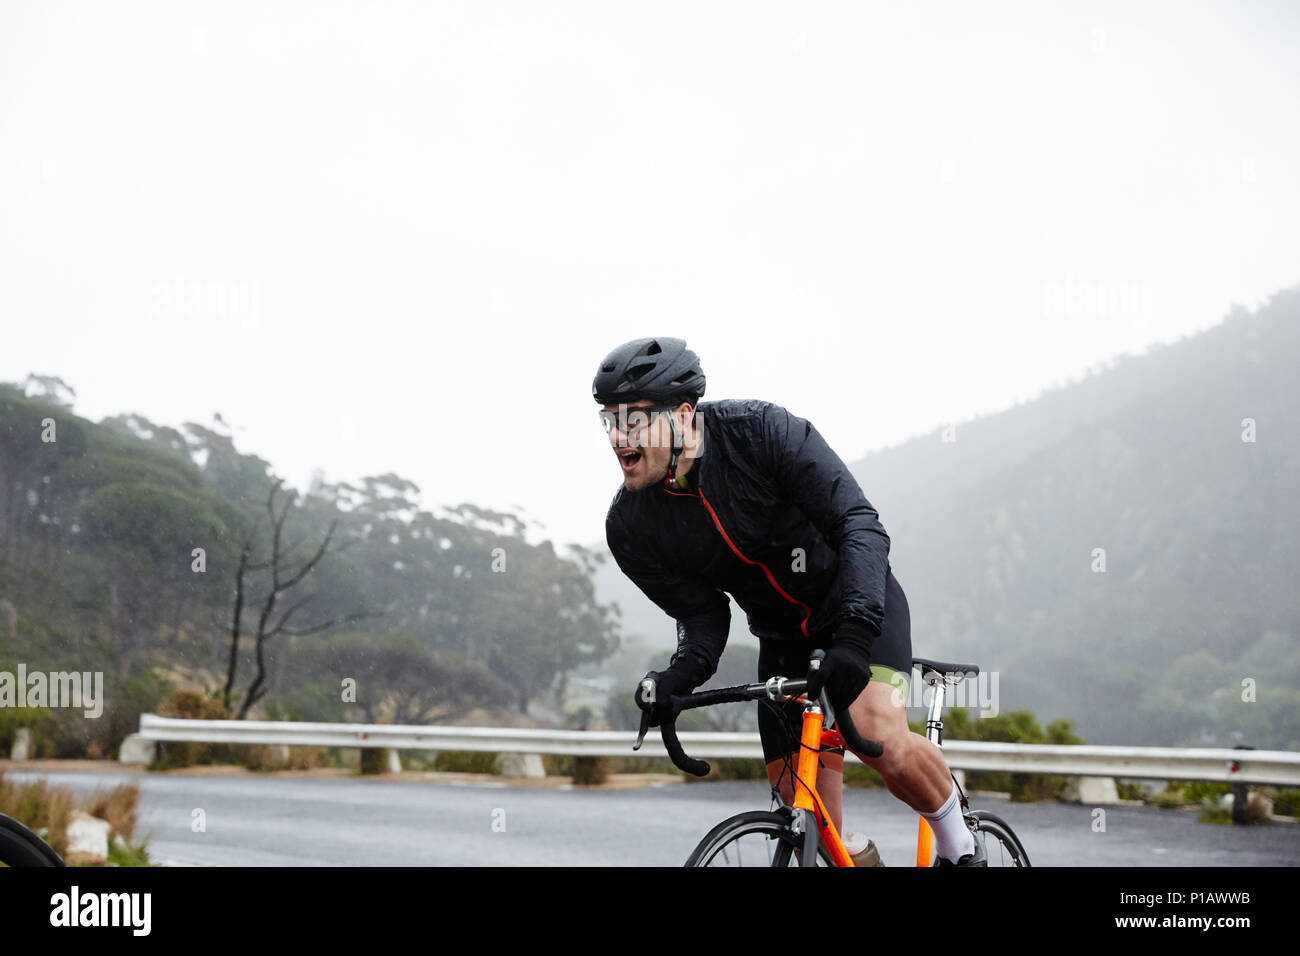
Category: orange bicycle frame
[805,793]
[807,798]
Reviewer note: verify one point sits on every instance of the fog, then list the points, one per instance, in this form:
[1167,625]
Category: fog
[399,237]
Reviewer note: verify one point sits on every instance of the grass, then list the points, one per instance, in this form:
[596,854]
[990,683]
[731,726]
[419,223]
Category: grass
[451,761]
[1286,801]
[126,854]
[1131,790]
[1212,811]
[48,810]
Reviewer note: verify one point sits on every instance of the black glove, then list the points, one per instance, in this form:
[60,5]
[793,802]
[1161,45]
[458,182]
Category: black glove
[654,700]
[846,671]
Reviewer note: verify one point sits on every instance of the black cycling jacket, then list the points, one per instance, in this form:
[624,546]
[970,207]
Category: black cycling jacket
[771,515]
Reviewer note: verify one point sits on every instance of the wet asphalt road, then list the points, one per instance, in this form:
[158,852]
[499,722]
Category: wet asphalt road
[278,821]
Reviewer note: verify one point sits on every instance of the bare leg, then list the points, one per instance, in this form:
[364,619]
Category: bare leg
[830,774]
[913,768]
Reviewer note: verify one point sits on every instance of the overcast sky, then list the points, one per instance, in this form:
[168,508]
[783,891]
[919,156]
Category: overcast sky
[399,237]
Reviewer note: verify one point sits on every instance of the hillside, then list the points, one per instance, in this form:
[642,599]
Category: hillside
[994,533]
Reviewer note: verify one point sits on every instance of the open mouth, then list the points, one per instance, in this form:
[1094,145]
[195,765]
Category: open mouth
[629,458]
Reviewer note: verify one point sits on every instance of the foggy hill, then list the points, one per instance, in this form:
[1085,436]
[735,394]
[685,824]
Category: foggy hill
[993,539]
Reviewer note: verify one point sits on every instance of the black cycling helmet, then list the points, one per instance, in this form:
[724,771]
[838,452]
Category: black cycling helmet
[660,369]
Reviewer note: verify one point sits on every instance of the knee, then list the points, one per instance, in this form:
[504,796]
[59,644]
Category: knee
[893,761]
[876,717]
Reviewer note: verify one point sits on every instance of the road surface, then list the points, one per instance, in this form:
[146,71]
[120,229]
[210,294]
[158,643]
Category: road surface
[264,820]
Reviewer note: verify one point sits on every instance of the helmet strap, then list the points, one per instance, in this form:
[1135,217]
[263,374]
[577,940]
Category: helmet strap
[678,445]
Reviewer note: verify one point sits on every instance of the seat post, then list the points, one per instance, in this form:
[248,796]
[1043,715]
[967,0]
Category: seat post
[934,722]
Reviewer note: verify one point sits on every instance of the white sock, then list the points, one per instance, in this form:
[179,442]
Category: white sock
[952,838]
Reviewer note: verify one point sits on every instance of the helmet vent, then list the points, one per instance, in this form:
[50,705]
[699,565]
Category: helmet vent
[653,369]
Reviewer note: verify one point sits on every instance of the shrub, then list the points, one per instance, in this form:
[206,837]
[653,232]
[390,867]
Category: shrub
[450,761]
[560,765]
[1018,726]
[373,760]
[643,765]
[589,771]
[1197,791]
[41,807]
[194,706]
[741,768]
[1212,811]
[264,758]
[65,733]
[1168,798]
[1130,790]
[308,758]
[38,720]
[118,806]
[48,811]
[1286,801]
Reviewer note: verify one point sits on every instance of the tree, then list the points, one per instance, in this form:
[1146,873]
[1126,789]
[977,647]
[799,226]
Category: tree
[397,679]
[146,536]
[536,618]
[283,585]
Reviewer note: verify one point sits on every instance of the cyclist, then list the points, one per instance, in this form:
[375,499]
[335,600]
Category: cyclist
[744,498]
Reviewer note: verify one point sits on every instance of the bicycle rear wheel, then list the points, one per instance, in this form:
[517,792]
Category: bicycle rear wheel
[753,838]
[1001,844]
[19,846]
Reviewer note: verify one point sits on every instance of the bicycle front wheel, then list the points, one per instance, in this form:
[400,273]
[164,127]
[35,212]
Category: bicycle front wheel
[19,846]
[754,838]
[1001,844]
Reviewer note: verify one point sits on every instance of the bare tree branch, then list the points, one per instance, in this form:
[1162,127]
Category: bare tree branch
[346,619]
[320,552]
[284,618]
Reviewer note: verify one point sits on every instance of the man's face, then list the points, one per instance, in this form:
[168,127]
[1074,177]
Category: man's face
[645,449]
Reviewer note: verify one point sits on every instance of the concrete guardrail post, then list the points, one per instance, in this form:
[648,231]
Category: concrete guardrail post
[135,749]
[1091,791]
[522,765]
[22,749]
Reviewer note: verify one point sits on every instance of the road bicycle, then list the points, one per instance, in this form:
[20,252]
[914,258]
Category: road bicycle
[803,834]
[19,846]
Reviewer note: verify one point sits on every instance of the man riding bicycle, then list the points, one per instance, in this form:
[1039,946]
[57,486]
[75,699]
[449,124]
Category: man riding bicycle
[744,498]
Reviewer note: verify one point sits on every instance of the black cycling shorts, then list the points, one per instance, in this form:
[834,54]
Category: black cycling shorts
[892,649]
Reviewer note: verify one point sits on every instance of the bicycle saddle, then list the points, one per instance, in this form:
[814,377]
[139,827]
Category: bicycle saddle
[944,669]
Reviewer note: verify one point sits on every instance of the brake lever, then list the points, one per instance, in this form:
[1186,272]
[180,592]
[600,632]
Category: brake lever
[827,710]
[645,725]
[815,664]
[850,733]
[647,687]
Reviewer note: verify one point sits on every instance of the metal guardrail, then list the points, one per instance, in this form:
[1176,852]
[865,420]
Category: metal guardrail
[1263,767]
[1276,768]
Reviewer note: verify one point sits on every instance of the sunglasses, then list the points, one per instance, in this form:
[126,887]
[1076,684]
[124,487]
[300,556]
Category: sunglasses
[631,421]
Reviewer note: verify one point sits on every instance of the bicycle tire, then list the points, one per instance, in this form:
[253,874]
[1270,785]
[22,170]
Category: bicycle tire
[765,823]
[992,825]
[19,846]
